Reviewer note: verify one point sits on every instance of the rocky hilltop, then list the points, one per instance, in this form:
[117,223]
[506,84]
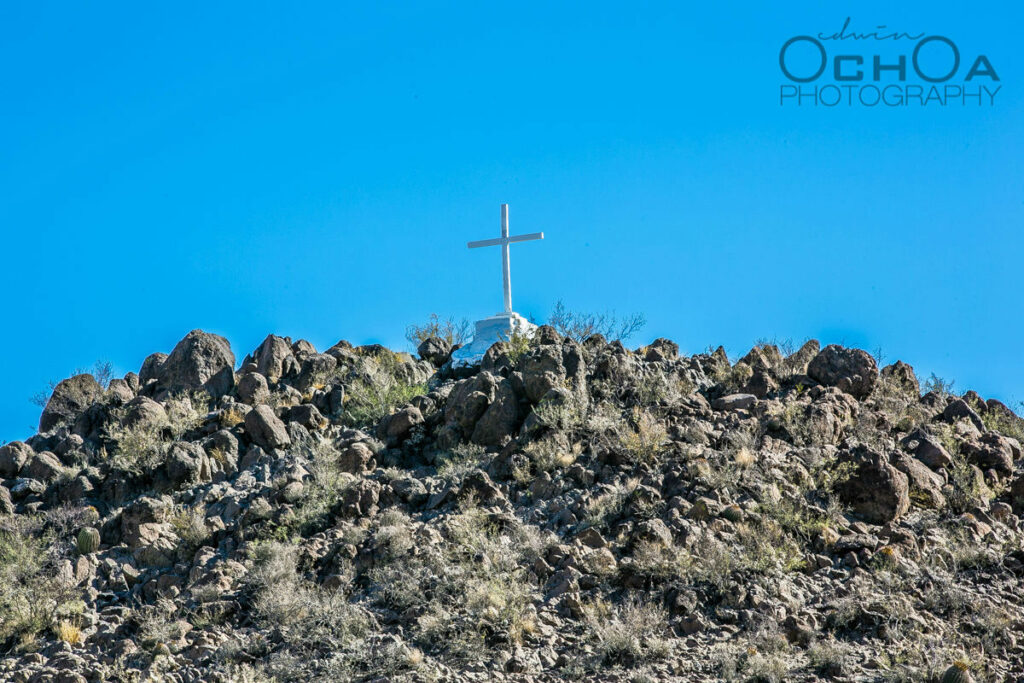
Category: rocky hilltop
[569,510]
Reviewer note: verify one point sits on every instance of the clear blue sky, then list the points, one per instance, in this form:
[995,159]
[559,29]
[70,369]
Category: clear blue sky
[315,170]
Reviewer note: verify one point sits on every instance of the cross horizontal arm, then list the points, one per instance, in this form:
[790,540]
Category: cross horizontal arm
[506,240]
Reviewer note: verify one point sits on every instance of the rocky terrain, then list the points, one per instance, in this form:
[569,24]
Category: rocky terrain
[570,510]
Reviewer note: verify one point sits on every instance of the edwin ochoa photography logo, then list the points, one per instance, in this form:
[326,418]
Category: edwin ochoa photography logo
[884,68]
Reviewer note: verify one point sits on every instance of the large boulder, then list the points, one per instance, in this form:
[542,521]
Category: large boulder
[14,456]
[960,409]
[925,485]
[853,371]
[435,350]
[499,423]
[927,449]
[992,451]
[45,467]
[396,428]
[253,389]
[69,398]
[150,369]
[542,371]
[265,429]
[901,376]
[274,359]
[798,361]
[187,463]
[144,413]
[199,361]
[875,490]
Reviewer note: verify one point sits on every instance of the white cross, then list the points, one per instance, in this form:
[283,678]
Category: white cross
[504,241]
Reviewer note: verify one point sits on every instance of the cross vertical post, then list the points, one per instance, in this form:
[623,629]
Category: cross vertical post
[506,271]
[504,241]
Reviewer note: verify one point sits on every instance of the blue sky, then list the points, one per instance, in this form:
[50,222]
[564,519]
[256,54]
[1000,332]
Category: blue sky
[315,170]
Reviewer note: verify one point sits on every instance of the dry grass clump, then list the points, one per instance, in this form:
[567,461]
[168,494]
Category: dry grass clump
[645,440]
[629,633]
[320,633]
[460,461]
[189,523]
[472,591]
[551,454]
[321,492]
[70,631]
[610,505]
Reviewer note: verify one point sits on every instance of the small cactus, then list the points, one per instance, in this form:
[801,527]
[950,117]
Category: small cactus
[88,540]
[957,673]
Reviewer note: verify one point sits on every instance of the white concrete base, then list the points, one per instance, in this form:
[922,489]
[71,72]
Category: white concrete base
[490,331]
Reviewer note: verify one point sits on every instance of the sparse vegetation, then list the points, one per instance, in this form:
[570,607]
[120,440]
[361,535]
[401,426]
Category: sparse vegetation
[451,330]
[378,388]
[581,326]
[618,521]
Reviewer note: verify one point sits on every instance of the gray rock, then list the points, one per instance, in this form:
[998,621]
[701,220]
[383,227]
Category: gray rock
[902,376]
[69,398]
[14,456]
[435,350]
[45,467]
[356,458]
[734,402]
[876,490]
[990,451]
[274,359]
[927,449]
[265,429]
[151,368]
[851,370]
[253,389]
[501,420]
[144,412]
[960,409]
[199,361]
[187,463]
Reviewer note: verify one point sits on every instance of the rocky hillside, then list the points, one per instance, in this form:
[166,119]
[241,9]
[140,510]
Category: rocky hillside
[567,511]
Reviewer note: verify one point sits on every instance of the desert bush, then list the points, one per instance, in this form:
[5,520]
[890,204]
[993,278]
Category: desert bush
[610,505]
[479,592]
[550,454]
[32,593]
[189,523]
[580,326]
[938,385]
[319,633]
[629,633]
[566,414]
[378,388]
[137,449]
[451,330]
[321,491]
[460,461]
[645,440]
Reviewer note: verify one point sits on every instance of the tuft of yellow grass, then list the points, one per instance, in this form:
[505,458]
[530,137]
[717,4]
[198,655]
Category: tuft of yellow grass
[70,632]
